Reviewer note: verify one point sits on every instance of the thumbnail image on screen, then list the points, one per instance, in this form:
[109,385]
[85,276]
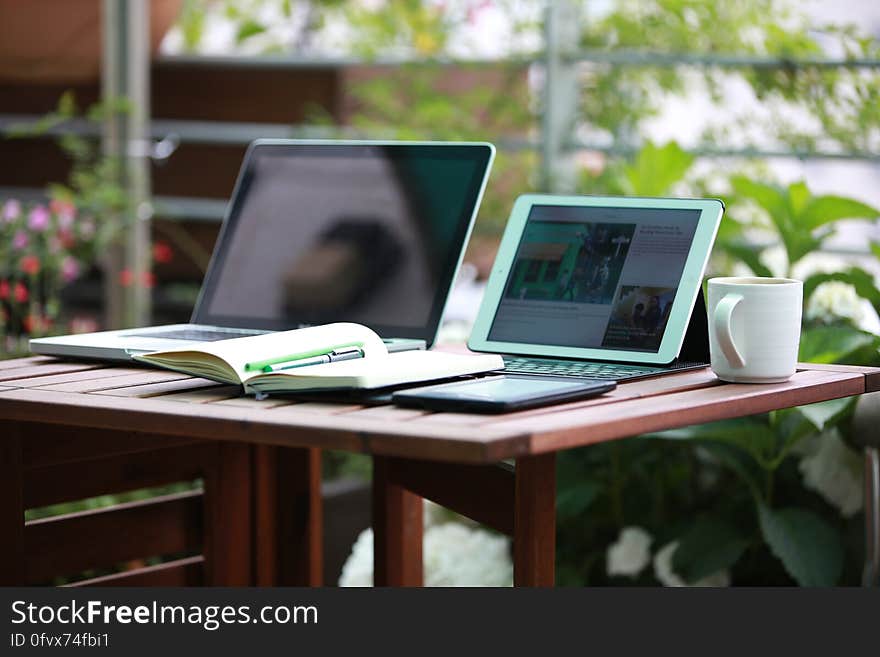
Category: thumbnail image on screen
[638,317]
[595,277]
[571,262]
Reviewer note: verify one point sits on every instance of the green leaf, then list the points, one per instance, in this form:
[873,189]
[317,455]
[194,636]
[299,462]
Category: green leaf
[656,169]
[771,198]
[807,546]
[709,546]
[828,413]
[66,105]
[574,500]
[750,256]
[741,464]
[834,344]
[748,434]
[826,209]
[798,197]
[248,29]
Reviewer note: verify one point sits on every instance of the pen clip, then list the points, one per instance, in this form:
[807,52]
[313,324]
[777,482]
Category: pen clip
[345,351]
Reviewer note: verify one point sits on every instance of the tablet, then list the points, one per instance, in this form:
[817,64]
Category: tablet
[500,394]
[597,278]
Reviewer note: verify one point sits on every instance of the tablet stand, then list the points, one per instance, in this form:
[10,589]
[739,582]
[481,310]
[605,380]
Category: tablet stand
[695,348]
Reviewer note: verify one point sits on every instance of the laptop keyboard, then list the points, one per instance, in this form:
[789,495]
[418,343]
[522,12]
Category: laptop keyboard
[579,369]
[196,334]
[204,334]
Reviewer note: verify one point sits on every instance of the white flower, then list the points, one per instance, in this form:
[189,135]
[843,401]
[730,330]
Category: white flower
[835,472]
[358,568]
[630,554]
[664,573]
[454,554]
[836,299]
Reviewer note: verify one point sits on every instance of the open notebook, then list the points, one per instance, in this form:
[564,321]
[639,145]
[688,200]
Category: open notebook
[244,360]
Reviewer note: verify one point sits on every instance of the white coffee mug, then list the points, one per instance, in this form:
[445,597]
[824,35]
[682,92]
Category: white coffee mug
[754,328]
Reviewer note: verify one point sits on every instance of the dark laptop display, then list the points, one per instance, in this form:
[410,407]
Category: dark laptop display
[328,233]
[324,231]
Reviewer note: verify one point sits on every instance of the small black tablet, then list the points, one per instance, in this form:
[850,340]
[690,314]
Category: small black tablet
[500,394]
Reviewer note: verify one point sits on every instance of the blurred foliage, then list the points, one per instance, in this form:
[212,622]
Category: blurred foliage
[490,103]
[45,246]
[841,101]
[93,185]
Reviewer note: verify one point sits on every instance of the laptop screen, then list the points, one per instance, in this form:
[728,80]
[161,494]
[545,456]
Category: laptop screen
[595,277]
[326,232]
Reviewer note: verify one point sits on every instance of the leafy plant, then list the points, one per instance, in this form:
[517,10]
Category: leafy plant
[47,245]
[801,223]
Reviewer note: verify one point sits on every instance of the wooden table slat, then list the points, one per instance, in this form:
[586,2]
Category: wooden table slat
[251,402]
[148,390]
[317,408]
[72,377]
[47,369]
[28,361]
[103,383]
[389,413]
[872,374]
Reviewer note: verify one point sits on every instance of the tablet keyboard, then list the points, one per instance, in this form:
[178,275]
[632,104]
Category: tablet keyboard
[577,368]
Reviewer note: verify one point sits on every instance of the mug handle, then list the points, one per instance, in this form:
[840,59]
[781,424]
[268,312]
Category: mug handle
[721,319]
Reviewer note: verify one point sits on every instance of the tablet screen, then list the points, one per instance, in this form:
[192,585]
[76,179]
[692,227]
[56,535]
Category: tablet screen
[505,388]
[595,277]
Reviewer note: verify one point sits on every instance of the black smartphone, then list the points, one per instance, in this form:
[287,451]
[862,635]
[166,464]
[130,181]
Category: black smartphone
[500,394]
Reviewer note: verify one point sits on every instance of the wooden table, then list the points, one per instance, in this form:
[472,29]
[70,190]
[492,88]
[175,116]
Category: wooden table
[73,430]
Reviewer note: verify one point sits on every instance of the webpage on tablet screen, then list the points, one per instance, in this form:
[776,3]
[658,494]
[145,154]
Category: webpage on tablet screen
[595,277]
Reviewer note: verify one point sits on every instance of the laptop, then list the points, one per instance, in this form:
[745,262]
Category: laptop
[600,287]
[371,232]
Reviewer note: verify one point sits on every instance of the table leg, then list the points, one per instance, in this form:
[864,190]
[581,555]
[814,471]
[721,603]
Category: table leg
[11,507]
[397,529]
[288,513]
[534,535]
[228,517]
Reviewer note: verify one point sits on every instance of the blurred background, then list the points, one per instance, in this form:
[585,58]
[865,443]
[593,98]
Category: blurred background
[124,124]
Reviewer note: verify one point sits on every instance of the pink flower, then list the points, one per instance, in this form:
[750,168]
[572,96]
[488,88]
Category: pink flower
[54,244]
[65,211]
[20,240]
[11,210]
[38,220]
[69,269]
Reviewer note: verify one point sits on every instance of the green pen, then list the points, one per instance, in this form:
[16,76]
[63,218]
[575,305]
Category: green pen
[326,351]
[334,357]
